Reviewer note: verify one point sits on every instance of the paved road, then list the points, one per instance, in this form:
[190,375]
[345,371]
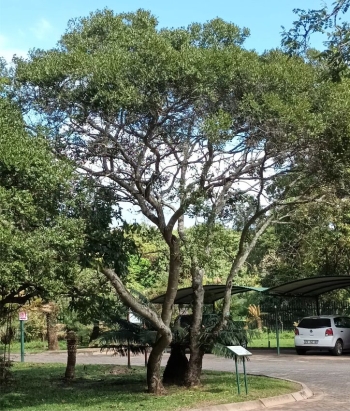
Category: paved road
[327,376]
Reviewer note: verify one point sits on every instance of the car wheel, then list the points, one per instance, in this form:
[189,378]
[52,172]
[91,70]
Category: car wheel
[338,348]
[300,351]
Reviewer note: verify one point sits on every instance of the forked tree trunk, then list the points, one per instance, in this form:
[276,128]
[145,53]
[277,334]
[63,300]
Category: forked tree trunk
[193,375]
[71,355]
[154,381]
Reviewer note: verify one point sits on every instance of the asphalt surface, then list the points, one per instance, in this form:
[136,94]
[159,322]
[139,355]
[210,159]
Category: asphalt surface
[327,376]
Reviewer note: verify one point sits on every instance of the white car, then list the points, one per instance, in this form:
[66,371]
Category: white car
[324,332]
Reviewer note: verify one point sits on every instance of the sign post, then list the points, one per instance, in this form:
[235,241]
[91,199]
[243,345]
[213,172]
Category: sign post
[22,316]
[240,353]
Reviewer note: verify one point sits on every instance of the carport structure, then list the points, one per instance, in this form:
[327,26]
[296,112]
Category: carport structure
[310,287]
[212,293]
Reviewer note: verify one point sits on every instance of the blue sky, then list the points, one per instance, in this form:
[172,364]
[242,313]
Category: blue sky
[27,24]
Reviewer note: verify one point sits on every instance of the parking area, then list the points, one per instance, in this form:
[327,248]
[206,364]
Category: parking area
[326,375]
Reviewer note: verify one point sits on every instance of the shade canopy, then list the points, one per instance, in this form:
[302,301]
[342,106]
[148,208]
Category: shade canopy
[212,292]
[311,286]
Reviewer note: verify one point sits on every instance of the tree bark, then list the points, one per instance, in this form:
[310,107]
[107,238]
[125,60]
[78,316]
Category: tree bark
[51,321]
[194,371]
[95,331]
[71,355]
[161,324]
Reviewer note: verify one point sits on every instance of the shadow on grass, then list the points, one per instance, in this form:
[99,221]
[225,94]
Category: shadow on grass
[43,387]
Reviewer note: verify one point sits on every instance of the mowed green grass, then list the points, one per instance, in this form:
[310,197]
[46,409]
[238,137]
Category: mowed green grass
[33,347]
[41,387]
[286,340]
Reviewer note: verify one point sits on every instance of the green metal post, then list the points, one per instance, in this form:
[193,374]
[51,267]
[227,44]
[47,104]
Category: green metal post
[277,333]
[245,377]
[22,339]
[237,376]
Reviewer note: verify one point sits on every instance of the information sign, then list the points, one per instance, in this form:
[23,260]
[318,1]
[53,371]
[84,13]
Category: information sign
[22,316]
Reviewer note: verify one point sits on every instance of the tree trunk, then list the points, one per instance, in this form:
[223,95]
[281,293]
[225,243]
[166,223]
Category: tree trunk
[51,321]
[160,324]
[177,366]
[154,382]
[194,371]
[193,376]
[259,324]
[95,331]
[71,355]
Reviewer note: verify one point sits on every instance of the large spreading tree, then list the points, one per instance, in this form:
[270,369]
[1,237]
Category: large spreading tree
[183,123]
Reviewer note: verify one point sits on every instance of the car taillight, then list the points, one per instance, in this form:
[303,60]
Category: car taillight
[296,331]
[329,332]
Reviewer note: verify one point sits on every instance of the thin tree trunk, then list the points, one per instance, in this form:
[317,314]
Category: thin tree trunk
[154,380]
[51,330]
[95,331]
[194,371]
[259,323]
[71,355]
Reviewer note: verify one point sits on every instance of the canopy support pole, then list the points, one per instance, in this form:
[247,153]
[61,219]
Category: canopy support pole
[317,305]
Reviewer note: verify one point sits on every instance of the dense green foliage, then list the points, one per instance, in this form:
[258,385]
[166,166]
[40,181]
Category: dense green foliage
[39,240]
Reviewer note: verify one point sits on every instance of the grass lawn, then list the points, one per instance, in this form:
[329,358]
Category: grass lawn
[262,340]
[33,346]
[40,387]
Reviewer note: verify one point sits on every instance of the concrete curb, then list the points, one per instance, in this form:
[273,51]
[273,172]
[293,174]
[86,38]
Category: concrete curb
[263,403]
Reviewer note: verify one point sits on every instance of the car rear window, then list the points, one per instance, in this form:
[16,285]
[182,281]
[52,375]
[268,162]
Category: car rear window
[314,323]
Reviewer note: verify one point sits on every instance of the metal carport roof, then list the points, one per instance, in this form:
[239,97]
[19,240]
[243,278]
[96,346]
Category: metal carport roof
[311,286]
[212,292]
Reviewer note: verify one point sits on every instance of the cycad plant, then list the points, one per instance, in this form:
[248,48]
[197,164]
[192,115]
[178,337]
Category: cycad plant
[254,316]
[126,335]
[235,333]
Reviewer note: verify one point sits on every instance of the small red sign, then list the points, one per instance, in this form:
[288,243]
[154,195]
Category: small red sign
[22,316]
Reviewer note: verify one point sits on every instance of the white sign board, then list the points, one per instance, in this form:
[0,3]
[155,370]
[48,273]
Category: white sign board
[239,350]
[133,319]
[22,316]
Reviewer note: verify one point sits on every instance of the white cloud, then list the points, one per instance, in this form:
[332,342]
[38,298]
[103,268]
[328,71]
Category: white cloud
[7,52]
[41,29]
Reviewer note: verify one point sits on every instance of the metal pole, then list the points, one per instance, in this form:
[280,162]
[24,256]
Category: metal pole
[237,376]
[245,377]
[129,362]
[21,322]
[277,333]
[317,306]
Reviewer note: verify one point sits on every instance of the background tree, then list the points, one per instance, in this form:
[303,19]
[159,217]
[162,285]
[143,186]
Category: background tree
[39,241]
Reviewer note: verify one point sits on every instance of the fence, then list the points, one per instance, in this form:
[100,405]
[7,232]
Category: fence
[291,311]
